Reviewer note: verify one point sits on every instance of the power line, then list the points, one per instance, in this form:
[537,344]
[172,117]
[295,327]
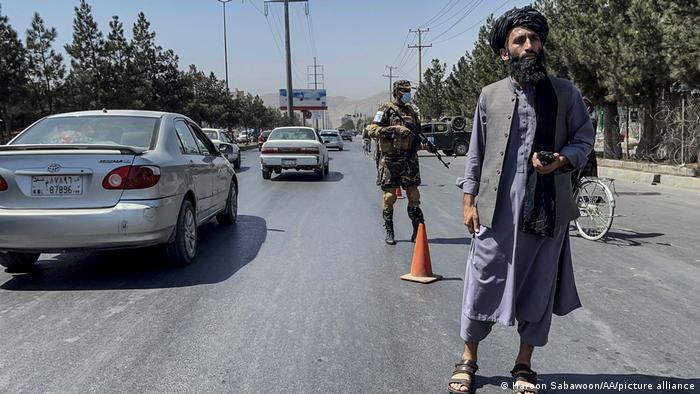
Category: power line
[474,5]
[474,25]
[441,13]
[391,77]
[420,47]
[403,47]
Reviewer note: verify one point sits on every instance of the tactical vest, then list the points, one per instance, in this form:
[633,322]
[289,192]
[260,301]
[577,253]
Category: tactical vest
[499,101]
[398,143]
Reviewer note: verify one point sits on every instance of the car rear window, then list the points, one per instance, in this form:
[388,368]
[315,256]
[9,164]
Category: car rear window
[292,134]
[137,131]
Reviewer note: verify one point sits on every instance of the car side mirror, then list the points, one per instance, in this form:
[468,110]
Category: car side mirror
[223,148]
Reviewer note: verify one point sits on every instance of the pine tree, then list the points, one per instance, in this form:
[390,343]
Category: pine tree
[430,97]
[486,67]
[46,68]
[87,60]
[145,63]
[13,75]
[118,67]
[456,97]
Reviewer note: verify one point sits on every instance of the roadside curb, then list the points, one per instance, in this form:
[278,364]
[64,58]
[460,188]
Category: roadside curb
[685,182]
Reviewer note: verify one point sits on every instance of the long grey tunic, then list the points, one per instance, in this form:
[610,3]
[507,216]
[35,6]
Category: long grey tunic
[512,275]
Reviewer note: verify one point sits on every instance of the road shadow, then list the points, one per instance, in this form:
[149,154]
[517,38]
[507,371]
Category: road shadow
[222,251]
[623,237]
[242,169]
[554,383]
[307,176]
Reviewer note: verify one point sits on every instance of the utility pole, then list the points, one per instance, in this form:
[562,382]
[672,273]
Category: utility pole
[420,47]
[288,50]
[391,78]
[223,3]
[315,74]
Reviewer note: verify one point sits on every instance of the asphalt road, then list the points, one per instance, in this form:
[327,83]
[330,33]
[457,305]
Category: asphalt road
[303,296]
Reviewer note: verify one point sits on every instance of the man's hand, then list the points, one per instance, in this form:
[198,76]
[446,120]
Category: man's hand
[559,161]
[471,216]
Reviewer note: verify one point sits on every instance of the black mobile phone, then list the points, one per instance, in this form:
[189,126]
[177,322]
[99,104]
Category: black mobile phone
[546,157]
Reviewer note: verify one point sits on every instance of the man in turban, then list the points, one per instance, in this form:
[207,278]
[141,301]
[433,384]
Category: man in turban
[397,156]
[530,131]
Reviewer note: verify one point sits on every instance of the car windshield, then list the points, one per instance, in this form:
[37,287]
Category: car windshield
[266,133]
[211,134]
[292,134]
[136,131]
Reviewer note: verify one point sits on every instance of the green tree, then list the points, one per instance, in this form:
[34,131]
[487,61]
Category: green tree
[118,67]
[46,68]
[430,97]
[145,56]
[13,75]
[456,88]
[86,79]
[472,72]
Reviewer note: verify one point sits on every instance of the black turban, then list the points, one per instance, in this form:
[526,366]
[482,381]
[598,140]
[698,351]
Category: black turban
[524,17]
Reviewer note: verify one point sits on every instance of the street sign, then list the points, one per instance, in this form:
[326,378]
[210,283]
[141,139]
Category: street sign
[305,99]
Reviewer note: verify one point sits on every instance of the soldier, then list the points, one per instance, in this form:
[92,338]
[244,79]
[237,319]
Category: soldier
[397,162]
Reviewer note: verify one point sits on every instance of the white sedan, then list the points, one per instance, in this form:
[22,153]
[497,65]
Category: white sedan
[226,146]
[294,148]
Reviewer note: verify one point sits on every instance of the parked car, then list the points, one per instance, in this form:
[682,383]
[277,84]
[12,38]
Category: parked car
[263,138]
[332,139]
[111,179]
[294,148]
[243,137]
[226,146]
[347,135]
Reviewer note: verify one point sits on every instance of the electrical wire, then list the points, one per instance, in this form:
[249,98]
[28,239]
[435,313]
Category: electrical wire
[469,11]
[444,10]
[474,25]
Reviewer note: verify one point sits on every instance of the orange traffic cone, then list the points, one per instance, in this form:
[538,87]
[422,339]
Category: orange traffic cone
[421,269]
[398,193]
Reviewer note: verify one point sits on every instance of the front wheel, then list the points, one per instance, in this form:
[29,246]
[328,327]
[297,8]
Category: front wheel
[596,206]
[266,173]
[183,248]
[237,163]
[16,261]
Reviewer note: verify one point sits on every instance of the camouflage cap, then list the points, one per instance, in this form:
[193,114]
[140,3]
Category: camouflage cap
[401,84]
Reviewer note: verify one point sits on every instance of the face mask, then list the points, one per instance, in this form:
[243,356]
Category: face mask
[406,97]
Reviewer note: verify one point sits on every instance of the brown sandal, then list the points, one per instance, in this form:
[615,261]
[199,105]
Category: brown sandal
[523,373]
[468,367]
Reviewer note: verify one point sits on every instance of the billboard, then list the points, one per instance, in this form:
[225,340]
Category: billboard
[305,99]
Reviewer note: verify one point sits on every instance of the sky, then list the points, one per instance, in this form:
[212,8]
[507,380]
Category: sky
[352,39]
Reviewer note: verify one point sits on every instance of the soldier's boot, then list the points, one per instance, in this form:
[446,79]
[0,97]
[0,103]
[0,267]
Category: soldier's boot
[389,227]
[416,216]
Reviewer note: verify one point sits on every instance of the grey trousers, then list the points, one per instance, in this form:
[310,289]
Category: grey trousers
[532,333]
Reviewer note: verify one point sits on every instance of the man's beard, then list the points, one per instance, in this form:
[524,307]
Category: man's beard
[528,70]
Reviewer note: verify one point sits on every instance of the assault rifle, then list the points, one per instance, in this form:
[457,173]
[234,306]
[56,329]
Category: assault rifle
[418,134]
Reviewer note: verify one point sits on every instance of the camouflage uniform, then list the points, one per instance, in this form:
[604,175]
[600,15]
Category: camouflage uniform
[397,158]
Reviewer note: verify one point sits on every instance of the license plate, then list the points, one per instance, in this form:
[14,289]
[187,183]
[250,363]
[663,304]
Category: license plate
[57,185]
[289,162]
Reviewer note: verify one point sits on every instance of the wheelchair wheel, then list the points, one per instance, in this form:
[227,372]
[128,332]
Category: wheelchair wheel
[596,205]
